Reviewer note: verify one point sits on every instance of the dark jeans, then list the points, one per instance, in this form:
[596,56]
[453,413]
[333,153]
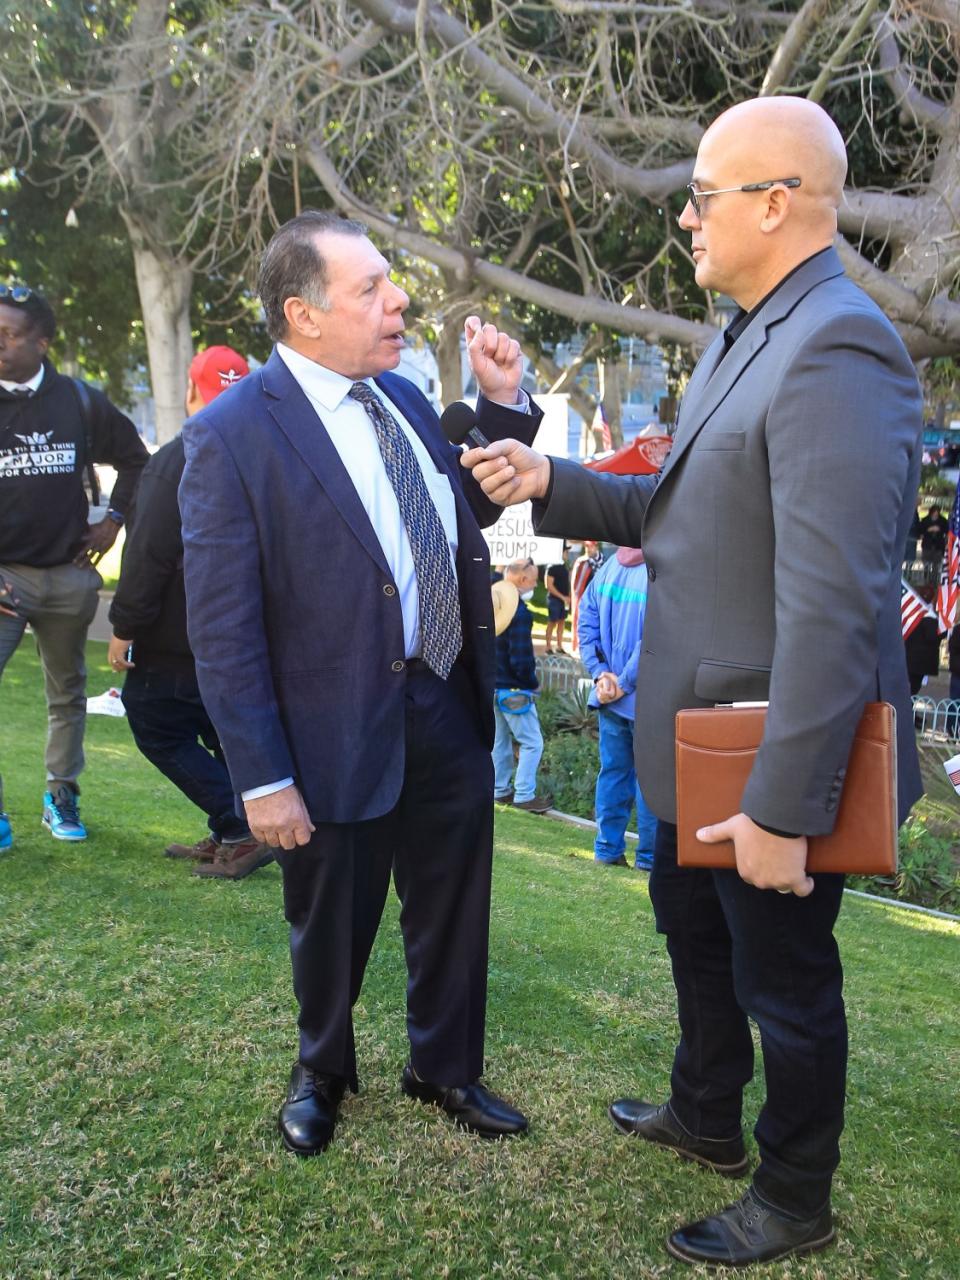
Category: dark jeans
[740,953]
[172,729]
[438,842]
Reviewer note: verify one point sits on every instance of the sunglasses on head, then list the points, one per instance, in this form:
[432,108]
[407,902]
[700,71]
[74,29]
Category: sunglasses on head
[15,292]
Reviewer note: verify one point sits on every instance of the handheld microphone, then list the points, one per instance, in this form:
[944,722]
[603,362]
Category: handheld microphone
[459,421]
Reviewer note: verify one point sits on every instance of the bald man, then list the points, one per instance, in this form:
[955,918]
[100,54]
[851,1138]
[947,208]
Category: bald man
[772,540]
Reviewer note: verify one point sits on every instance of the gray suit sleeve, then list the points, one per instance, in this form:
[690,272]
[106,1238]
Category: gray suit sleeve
[841,436]
[584,504]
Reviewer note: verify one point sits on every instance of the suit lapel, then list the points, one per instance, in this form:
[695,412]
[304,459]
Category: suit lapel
[295,416]
[706,393]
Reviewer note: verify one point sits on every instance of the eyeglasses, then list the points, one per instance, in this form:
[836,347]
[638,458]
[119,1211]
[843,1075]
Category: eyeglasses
[15,292]
[696,196]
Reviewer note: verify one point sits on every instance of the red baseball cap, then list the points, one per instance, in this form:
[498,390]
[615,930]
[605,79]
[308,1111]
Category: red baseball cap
[216,369]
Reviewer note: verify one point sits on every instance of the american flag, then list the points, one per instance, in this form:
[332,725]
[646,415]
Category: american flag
[912,609]
[950,570]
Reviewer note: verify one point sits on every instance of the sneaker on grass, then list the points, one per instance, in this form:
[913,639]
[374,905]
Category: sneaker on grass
[61,816]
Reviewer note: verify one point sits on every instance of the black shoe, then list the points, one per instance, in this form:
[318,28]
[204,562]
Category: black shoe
[660,1126]
[748,1232]
[611,862]
[471,1106]
[309,1115]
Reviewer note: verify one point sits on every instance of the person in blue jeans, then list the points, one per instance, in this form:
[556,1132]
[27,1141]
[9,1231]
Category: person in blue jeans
[609,631]
[514,704]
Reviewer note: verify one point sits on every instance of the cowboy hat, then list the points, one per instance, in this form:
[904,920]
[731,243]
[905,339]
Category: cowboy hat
[506,598]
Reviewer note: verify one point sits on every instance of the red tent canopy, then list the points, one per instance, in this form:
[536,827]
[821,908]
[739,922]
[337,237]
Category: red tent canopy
[641,457]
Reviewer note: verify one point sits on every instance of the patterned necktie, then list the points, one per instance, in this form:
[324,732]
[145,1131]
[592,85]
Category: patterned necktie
[441,635]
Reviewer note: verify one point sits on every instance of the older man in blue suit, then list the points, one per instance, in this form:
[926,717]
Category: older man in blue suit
[339,610]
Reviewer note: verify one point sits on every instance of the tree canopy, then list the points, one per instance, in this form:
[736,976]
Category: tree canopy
[518,155]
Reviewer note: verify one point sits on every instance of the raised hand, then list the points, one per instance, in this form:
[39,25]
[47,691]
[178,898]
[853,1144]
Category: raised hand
[495,360]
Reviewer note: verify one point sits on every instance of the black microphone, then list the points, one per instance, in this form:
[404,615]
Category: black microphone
[459,423]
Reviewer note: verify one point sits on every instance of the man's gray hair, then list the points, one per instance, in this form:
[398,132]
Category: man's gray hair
[293,267]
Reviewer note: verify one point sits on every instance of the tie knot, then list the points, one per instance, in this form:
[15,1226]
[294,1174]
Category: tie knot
[365,394]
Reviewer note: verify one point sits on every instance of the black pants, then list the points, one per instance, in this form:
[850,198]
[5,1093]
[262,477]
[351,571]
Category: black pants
[738,953]
[438,841]
[174,732]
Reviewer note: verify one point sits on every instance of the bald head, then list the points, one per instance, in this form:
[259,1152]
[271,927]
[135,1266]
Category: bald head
[745,242]
[767,135]
[522,573]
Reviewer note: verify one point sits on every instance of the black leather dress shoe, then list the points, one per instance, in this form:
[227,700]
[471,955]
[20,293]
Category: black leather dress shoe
[660,1126]
[309,1115]
[748,1232]
[471,1106]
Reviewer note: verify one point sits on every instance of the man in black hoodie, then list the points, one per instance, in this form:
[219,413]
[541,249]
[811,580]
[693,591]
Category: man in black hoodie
[51,429]
[149,613]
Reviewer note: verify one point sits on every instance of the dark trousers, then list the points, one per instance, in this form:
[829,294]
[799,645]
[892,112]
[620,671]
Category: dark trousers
[739,953]
[438,841]
[174,732]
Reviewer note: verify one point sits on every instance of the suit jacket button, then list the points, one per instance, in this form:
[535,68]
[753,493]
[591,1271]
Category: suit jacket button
[389,589]
[397,666]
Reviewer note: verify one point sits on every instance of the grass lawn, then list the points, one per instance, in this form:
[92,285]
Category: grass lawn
[147,1031]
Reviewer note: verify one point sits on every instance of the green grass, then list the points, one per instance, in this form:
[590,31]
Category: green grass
[147,1031]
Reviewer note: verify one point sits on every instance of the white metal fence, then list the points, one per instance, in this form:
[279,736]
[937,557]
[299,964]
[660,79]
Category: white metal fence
[562,672]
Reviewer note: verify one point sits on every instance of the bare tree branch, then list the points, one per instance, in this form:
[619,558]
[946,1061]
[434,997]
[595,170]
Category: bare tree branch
[467,267]
[794,43]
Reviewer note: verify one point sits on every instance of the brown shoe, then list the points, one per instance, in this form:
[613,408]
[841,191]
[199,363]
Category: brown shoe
[234,861]
[203,851]
[539,804]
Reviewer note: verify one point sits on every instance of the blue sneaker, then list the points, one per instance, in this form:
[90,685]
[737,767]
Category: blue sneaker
[61,816]
[6,835]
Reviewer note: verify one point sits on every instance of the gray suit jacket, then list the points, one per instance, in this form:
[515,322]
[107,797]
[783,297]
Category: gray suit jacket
[773,539]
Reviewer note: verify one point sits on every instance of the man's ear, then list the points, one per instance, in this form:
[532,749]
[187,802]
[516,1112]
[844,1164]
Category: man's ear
[776,209]
[194,402]
[300,319]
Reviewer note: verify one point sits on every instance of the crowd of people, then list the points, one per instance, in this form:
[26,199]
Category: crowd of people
[357,735]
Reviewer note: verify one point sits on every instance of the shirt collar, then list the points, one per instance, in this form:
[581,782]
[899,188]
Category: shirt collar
[30,385]
[740,321]
[322,384]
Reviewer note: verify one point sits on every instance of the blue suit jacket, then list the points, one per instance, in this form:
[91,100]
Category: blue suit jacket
[293,616]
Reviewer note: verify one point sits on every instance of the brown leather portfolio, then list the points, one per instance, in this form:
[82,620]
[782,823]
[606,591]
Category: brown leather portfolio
[715,751]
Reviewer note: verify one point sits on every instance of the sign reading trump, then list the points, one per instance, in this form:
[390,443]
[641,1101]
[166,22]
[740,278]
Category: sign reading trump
[512,538]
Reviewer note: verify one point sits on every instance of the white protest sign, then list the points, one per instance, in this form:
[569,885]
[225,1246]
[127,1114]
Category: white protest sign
[512,538]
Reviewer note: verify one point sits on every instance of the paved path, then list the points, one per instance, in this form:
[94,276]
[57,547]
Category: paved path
[100,628]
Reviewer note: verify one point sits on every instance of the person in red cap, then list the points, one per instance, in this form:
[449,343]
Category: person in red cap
[148,615]
[212,371]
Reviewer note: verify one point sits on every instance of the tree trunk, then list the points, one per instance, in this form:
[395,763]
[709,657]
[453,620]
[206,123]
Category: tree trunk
[448,360]
[613,401]
[164,285]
